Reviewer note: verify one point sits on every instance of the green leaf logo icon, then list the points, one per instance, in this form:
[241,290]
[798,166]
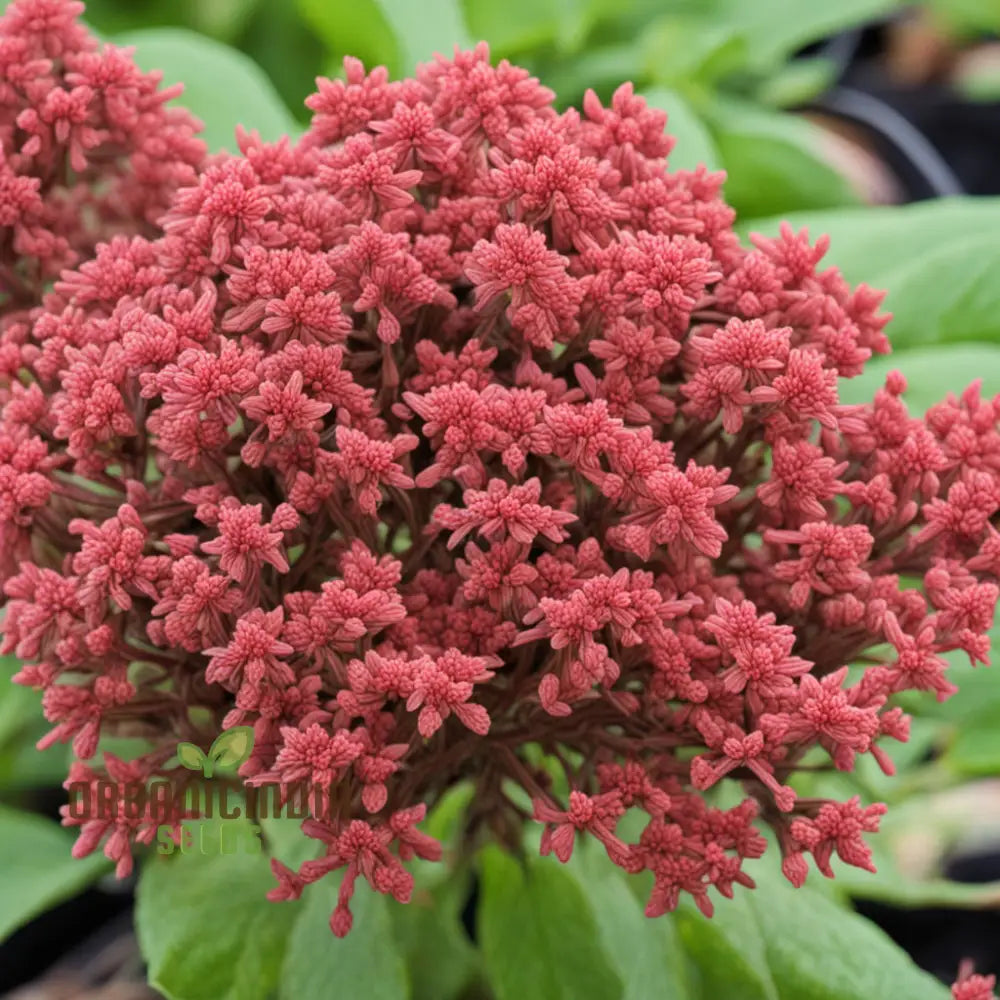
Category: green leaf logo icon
[191,756]
[230,749]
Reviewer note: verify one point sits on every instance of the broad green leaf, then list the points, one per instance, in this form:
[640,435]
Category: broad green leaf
[222,19]
[968,17]
[123,747]
[903,891]
[689,50]
[538,934]
[782,943]
[109,17]
[206,930]
[284,840]
[425,28]
[869,238]
[938,260]
[899,887]
[947,293]
[22,766]
[191,756]
[578,19]
[22,725]
[19,706]
[799,82]
[976,748]
[646,953]
[694,142]
[775,29]
[931,373]
[358,28]
[445,819]
[729,949]
[275,30]
[440,958]
[232,747]
[598,69]
[819,951]
[366,965]
[38,870]
[775,161]
[445,824]
[513,26]
[222,87]
[973,749]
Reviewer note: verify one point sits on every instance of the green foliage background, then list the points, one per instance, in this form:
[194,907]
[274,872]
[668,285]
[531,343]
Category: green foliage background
[723,71]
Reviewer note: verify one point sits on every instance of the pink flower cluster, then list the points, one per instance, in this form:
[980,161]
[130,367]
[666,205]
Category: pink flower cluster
[88,151]
[462,430]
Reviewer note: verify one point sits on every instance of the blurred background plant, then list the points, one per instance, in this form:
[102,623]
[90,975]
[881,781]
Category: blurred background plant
[832,115]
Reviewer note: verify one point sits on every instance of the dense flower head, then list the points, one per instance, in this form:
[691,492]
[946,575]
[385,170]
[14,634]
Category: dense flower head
[89,150]
[461,428]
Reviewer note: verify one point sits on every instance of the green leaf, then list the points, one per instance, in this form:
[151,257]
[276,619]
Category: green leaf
[191,756]
[284,840]
[538,933]
[938,260]
[222,19]
[775,29]
[694,142]
[19,706]
[780,943]
[967,18]
[775,161]
[232,747]
[22,725]
[900,887]
[931,373]
[38,870]
[23,767]
[855,960]
[222,87]
[358,28]
[799,82]
[205,929]
[599,69]
[646,953]
[947,293]
[440,958]
[366,965]
[425,28]
[729,949]
[275,30]
[976,749]
[513,26]
[685,50]
[445,820]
